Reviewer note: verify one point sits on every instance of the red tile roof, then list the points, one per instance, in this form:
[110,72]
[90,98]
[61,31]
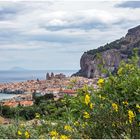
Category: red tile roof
[69,91]
[26,103]
[11,104]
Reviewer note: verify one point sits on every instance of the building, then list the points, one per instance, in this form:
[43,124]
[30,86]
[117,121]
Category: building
[11,104]
[26,103]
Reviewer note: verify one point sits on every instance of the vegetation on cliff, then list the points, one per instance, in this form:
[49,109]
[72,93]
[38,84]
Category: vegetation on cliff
[112,111]
[113,45]
[112,54]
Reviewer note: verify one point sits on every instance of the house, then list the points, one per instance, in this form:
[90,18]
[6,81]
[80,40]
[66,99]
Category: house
[11,104]
[68,92]
[26,103]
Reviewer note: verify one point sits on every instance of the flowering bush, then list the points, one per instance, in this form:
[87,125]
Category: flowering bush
[111,111]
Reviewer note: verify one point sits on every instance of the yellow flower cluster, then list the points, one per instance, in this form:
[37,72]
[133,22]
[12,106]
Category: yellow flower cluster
[120,71]
[87,99]
[68,128]
[86,115]
[91,106]
[76,123]
[129,66]
[115,107]
[84,124]
[26,134]
[125,102]
[138,107]
[101,97]
[64,137]
[37,115]
[19,133]
[131,116]
[100,82]
[53,134]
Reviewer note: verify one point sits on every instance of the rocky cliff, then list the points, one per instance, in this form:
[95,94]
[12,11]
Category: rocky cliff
[109,56]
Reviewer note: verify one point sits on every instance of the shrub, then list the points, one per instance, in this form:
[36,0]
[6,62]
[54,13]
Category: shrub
[111,111]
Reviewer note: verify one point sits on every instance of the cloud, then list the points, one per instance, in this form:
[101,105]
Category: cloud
[9,11]
[45,34]
[129,4]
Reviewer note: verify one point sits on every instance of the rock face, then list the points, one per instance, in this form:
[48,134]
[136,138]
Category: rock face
[109,56]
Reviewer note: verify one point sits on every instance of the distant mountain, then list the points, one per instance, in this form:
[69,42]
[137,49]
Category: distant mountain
[17,69]
[110,55]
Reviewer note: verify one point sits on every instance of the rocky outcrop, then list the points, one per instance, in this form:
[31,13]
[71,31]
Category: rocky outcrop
[108,57]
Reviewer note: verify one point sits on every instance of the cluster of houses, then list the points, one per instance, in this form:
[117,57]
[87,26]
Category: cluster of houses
[27,99]
[19,100]
[57,85]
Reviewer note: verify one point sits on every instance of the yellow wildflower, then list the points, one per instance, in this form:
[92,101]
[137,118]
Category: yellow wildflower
[27,135]
[115,107]
[120,70]
[64,137]
[129,66]
[22,125]
[131,116]
[100,82]
[113,124]
[68,128]
[125,102]
[91,106]
[37,115]
[84,125]
[19,132]
[62,100]
[87,99]
[101,97]
[53,133]
[138,106]
[86,115]
[76,123]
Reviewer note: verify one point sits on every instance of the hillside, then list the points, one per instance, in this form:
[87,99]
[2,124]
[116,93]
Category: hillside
[109,56]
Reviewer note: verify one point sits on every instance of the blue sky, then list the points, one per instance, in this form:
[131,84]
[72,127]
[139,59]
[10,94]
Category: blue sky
[54,34]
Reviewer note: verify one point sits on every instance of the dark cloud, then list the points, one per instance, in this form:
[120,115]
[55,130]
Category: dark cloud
[81,26]
[129,4]
[9,11]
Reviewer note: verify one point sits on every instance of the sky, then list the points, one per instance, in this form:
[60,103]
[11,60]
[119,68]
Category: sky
[53,34]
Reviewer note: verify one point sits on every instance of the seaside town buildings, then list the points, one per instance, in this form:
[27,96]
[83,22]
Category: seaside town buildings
[58,85]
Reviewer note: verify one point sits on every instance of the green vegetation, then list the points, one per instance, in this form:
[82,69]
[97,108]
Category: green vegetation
[48,107]
[117,45]
[112,111]
[113,45]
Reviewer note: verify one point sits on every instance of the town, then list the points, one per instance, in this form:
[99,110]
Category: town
[57,85]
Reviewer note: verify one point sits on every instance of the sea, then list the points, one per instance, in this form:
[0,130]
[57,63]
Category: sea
[19,76]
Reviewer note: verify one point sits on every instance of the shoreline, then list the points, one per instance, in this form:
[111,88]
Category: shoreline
[52,85]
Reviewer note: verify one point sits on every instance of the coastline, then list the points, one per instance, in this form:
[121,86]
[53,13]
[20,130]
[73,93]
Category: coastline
[4,96]
[10,76]
[54,84]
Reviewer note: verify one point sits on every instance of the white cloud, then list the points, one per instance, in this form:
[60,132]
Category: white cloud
[61,28]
